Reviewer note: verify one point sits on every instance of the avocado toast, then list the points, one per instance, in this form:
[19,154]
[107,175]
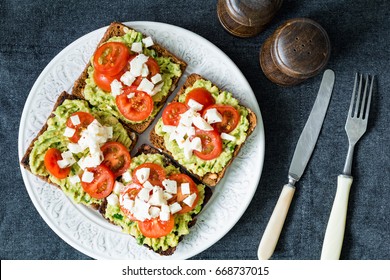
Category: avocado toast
[202,110]
[173,200]
[129,76]
[57,156]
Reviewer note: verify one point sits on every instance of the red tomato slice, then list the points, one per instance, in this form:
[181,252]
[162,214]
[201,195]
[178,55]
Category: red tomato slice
[155,228]
[116,157]
[211,144]
[152,66]
[137,108]
[132,191]
[102,184]
[230,118]
[51,157]
[156,176]
[202,96]
[85,120]
[182,178]
[104,81]
[171,113]
[110,58]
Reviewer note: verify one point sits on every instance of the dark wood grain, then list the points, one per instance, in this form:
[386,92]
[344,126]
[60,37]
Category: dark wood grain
[297,50]
[246,18]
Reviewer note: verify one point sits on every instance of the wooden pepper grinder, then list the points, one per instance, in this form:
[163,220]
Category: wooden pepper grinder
[246,18]
[297,50]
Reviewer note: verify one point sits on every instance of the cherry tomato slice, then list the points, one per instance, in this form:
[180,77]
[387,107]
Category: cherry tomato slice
[104,81]
[137,108]
[155,228]
[85,120]
[51,157]
[152,66]
[156,175]
[179,197]
[116,157]
[131,191]
[110,58]
[102,183]
[211,144]
[171,113]
[202,96]
[230,118]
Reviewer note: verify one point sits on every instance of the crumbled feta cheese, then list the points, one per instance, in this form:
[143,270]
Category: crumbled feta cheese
[148,185]
[69,132]
[127,176]
[157,198]
[168,128]
[213,116]
[131,95]
[75,119]
[74,179]
[75,148]
[118,187]
[200,123]
[148,41]
[189,200]
[144,70]
[112,199]
[167,195]
[170,186]
[127,203]
[146,86]
[165,208]
[164,216]
[142,174]
[175,207]
[143,194]
[228,137]
[137,63]
[87,176]
[157,88]
[127,78]
[196,106]
[136,47]
[187,117]
[156,78]
[116,88]
[196,144]
[141,210]
[185,188]
[154,212]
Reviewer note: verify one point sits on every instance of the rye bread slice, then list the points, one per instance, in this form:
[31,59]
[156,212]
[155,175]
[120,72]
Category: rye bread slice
[210,179]
[25,162]
[146,149]
[118,29]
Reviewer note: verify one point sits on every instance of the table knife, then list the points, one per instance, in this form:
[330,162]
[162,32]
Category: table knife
[302,154]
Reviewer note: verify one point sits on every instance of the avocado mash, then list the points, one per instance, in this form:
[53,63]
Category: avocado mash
[53,138]
[115,215]
[194,164]
[104,101]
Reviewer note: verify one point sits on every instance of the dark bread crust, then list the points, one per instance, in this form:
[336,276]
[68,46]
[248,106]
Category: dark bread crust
[25,162]
[117,29]
[210,179]
[146,149]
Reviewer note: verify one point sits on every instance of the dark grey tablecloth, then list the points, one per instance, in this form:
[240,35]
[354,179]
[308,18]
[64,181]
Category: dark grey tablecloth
[33,32]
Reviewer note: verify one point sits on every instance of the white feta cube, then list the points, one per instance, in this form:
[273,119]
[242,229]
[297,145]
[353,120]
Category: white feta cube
[170,186]
[195,105]
[69,132]
[87,176]
[116,88]
[146,86]
[156,78]
[75,120]
[189,200]
[228,137]
[74,179]
[164,216]
[148,41]
[213,116]
[127,78]
[185,188]
[175,207]
[112,199]
[201,123]
[142,174]
[127,176]
[136,47]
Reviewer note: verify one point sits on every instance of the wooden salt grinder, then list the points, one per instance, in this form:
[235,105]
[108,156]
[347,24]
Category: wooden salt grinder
[297,50]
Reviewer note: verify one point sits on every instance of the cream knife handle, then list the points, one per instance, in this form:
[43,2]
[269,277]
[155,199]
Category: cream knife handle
[274,227]
[334,234]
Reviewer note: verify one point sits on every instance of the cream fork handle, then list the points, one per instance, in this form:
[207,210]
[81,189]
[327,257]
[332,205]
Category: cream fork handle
[334,234]
[274,227]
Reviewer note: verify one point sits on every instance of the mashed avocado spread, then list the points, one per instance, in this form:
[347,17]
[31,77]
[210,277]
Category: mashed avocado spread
[195,164]
[104,101]
[114,213]
[53,138]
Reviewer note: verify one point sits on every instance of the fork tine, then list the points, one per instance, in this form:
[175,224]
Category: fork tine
[369,98]
[353,97]
[357,106]
[362,106]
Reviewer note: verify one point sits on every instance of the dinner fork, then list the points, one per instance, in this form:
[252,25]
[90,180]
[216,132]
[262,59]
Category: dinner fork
[355,127]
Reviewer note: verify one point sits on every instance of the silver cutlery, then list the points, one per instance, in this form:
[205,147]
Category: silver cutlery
[355,127]
[302,154]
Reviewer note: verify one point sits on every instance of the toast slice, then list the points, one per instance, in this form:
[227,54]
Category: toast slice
[51,135]
[85,80]
[165,245]
[210,178]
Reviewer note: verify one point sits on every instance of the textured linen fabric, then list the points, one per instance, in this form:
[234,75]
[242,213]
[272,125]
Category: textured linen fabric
[33,32]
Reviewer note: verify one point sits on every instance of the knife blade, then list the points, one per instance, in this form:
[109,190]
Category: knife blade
[301,157]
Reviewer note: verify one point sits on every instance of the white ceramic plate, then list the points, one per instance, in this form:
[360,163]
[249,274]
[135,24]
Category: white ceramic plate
[85,229]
